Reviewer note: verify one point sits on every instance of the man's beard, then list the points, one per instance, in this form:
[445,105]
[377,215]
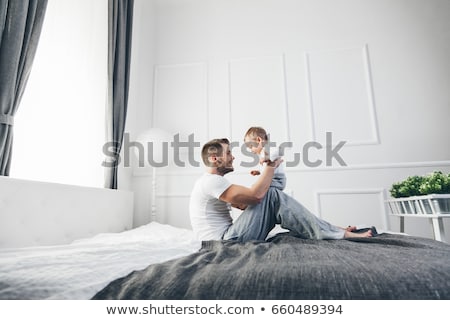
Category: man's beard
[224,170]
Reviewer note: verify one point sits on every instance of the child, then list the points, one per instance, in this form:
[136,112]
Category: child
[256,139]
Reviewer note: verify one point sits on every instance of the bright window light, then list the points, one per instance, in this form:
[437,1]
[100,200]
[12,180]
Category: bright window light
[59,128]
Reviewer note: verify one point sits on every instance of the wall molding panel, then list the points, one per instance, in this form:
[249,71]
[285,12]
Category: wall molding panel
[180,99]
[378,196]
[144,172]
[258,84]
[339,87]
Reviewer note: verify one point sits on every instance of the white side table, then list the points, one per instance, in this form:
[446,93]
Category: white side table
[434,207]
[436,222]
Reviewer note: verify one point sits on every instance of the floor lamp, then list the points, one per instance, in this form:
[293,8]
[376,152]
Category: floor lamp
[155,137]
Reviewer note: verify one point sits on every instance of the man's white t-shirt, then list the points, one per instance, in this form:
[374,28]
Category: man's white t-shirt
[210,216]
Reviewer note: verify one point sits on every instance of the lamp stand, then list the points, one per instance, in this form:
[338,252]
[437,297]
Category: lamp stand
[153,205]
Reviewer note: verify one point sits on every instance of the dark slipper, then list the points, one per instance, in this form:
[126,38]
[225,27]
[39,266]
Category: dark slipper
[374,231]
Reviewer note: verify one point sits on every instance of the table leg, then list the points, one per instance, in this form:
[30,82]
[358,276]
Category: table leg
[402,224]
[438,229]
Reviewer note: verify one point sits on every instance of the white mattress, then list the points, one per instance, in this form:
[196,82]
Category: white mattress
[80,269]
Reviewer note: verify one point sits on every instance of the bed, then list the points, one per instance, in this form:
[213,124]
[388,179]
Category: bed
[161,262]
[388,266]
[77,271]
[36,213]
[61,241]
[76,243]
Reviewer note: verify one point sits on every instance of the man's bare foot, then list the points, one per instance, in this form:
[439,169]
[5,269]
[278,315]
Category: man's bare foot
[349,234]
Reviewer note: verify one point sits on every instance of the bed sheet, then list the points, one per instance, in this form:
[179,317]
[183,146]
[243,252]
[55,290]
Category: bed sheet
[78,270]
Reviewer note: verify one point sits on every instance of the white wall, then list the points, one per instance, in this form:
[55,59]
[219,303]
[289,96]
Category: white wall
[139,101]
[374,72]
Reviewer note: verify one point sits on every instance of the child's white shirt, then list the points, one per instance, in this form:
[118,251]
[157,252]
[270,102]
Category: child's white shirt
[274,154]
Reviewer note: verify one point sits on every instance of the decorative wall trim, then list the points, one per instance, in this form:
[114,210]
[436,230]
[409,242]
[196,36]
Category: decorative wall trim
[310,98]
[282,59]
[375,166]
[286,103]
[201,64]
[173,195]
[370,96]
[380,192]
[370,166]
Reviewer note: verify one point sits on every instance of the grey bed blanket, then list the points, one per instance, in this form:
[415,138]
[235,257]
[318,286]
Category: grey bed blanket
[286,267]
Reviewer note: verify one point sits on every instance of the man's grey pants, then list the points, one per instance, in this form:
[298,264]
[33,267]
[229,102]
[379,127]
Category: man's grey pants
[277,207]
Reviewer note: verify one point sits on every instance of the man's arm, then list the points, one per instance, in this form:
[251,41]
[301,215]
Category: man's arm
[242,195]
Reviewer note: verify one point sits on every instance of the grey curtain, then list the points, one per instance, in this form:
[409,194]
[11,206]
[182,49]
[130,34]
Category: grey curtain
[120,23]
[20,28]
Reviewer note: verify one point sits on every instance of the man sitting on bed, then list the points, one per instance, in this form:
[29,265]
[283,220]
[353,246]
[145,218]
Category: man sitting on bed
[264,207]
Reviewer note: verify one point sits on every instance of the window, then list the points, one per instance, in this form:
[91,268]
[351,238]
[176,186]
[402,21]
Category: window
[59,127]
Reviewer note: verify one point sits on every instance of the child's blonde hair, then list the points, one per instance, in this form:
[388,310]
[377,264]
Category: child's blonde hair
[257,132]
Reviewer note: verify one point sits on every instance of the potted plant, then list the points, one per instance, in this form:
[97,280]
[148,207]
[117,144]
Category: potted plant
[422,194]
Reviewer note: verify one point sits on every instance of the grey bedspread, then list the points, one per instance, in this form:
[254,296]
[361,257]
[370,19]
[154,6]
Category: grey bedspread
[384,267]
